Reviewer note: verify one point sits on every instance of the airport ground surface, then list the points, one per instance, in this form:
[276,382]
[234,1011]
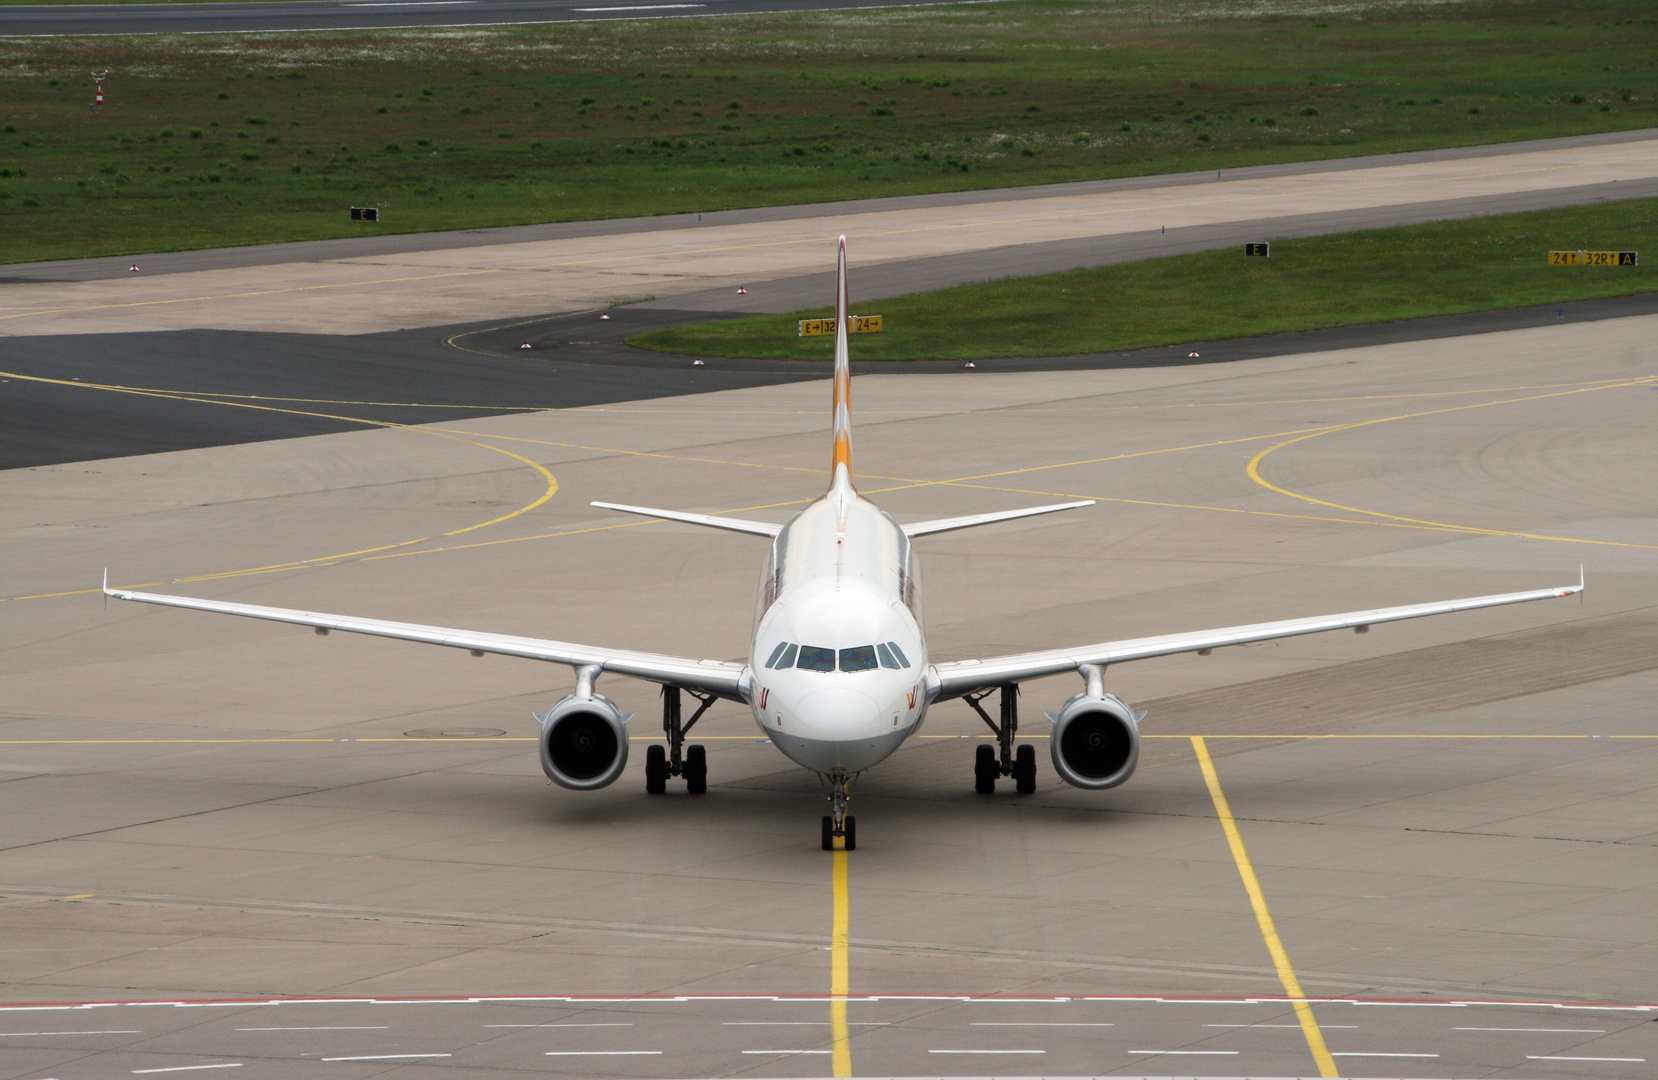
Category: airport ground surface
[202,808]
[87,19]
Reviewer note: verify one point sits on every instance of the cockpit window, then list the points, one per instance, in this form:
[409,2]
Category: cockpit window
[898,654]
[886,656]
[787,659]
[813,658]
[859,658]
[775,653]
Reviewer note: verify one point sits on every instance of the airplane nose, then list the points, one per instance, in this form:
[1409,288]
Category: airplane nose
[835,712]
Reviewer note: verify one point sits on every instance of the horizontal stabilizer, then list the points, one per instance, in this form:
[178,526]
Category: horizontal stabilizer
[927,528]
[757,528]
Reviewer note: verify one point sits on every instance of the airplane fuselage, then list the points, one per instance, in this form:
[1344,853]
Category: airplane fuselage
[839,652]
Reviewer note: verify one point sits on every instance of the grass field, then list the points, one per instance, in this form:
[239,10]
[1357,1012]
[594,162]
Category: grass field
[208,141]
[1361,277]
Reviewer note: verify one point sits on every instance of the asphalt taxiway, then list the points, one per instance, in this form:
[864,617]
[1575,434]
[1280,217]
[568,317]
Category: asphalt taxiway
[1446,827]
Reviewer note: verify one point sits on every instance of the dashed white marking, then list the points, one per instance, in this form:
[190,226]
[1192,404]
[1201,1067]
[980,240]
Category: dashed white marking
[1551,1031]
[603,1053]
[377,1027]
[189,1068]
[1002,1023]
[1562,1057]
[987,1051]
[1363,1054]
[553,1025]
[20,1034]
[384,1057]
[1189,1053]
[784,1052]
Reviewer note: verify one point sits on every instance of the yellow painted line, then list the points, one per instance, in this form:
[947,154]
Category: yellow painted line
[1263,916]
[546,474]
[1254,468]
[839,978]
[80,896]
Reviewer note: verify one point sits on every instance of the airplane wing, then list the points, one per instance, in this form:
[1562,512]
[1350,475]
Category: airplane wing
[938,525]
[966,676]
[758,528]
[721,678]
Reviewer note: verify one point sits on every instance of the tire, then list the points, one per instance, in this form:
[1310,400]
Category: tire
[985,770]
[1024,770]
[828,833]
[851,837]
[656,769]
[696,769]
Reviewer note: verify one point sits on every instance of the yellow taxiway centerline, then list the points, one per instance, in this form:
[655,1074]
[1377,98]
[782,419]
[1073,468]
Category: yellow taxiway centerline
[1263,916]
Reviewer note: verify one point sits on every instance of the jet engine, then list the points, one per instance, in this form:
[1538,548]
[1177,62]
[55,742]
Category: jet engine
[584,742]
[1095,742]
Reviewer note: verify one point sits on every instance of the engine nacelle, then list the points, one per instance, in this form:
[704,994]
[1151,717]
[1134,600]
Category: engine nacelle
[584,742]
[1095,742]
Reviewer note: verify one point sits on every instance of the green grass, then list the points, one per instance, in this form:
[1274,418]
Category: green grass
[210,141]
[1361,277]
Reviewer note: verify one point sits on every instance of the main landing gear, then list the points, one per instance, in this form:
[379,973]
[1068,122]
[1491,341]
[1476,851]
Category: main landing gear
[839,823]
[691,762]
[988,765]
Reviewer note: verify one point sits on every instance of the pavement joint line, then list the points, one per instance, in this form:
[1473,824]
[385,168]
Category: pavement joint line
[653,999]
[749,738]
[1263,916]
[1253,469]
[388,551]
[955,225]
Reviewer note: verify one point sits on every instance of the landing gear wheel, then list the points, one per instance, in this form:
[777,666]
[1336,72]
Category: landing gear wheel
[851,838]
[828,833]
[656,769]
[696,769]
[1024,770]
[985,770]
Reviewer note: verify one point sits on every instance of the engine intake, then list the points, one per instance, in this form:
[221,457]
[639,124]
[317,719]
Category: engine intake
[1095,742]
[584,742]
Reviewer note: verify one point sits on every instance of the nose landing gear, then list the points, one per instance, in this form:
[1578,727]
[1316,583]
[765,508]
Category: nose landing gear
[691,762]
[988,766]
[839,822]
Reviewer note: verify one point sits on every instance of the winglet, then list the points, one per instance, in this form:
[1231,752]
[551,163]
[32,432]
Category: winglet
[1581,581]
[106,588]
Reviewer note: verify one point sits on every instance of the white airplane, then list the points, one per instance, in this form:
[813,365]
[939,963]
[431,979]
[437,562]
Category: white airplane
[837,674]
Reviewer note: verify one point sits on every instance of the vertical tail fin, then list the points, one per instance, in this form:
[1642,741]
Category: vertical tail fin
[842,416]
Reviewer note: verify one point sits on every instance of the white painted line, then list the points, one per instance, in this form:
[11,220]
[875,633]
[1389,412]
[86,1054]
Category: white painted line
[1551,1031]
[20,1034]
[1562,1057]
[189,1068]
[1204,1053]
[785,1052]
[1000,1023]
[378,1027]
[987,1051]
[641,7]
[553,1025]
[1386,1055]
[603,1053]
[385,1057]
